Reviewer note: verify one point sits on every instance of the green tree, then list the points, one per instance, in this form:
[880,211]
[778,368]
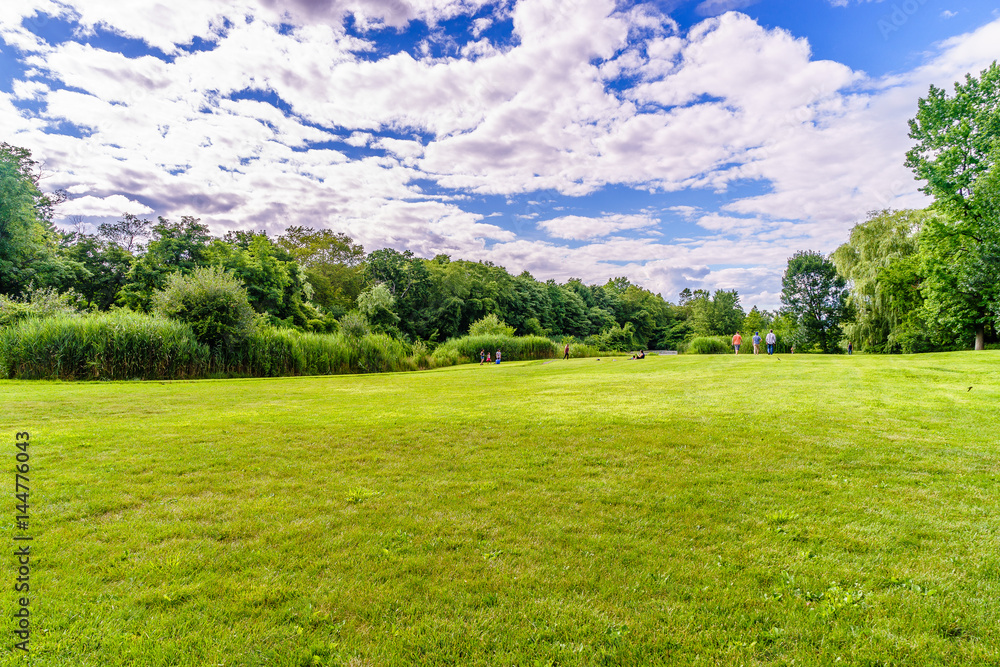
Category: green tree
[276,284]
[816,297]
[957,153]
[882,264]
[376,304]
[408,281]
[104,267]
[332,263]
[176,247]
[491,325]
[718,315]
[757,321]
[29,244]
[959,281]
[126,233]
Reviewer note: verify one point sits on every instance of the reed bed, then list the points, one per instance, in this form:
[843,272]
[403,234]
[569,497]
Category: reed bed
[710,345]
[123,345]
[513,348]
[270,352]
[118,345]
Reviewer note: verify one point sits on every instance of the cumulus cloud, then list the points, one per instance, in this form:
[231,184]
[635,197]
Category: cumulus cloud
[286,118]
[91,206]
[581,227]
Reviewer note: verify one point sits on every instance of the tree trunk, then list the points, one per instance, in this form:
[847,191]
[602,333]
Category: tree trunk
[980,336]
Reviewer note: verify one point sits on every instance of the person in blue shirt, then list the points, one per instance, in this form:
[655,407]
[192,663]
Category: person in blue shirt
[756,342]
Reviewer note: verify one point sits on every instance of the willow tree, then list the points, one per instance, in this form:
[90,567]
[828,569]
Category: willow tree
[956,155]
[881,262]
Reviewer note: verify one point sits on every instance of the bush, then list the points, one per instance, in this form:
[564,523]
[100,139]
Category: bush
[354,325]
[532,327]
[710,345]
[514,348]
[578,351]
[491,325]
[616,338]
[120,345]
[37,302]
[212,301]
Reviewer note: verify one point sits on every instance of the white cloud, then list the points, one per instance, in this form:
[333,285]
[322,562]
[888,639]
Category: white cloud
[580,227]
[728,101]
[90,206]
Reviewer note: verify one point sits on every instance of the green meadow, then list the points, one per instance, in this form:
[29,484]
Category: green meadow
[692,510]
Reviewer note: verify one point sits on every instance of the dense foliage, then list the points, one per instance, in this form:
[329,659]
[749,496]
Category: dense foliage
[957,156]
[212,301]
[816,297]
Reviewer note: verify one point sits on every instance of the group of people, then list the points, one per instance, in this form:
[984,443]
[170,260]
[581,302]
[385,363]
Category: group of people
[484,357]
[771,339]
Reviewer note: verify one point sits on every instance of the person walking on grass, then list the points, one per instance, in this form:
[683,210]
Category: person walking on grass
[482,356]
[771,341]
[850,347]
[566,352]
[737,341]
[756,342]
[498,357]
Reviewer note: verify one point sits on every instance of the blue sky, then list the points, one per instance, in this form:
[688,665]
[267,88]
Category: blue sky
[683,144]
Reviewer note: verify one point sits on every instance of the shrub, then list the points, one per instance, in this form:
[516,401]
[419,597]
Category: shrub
[491,325]
[354,325]
[212,301]
[120,345]
[514,348]
[617,338]
[37,302]
[709,345]
[578,351]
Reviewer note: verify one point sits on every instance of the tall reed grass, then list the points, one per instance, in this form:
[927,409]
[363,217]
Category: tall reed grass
[710,345]
[269,352]
[122,345]
[518,348]
[119,345]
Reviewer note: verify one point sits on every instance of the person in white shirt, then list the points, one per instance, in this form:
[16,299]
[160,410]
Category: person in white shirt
[771,341]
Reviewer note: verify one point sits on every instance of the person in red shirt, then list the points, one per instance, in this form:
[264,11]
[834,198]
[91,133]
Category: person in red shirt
[737,341]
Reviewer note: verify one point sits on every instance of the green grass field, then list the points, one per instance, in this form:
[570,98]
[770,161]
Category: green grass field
[780,510]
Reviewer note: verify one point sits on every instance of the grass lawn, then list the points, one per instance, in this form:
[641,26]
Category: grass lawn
[678,510]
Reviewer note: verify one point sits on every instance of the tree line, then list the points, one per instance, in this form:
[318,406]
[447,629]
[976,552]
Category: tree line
[906,281]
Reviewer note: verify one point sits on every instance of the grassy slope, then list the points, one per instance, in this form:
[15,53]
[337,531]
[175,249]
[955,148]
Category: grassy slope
[726,510]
